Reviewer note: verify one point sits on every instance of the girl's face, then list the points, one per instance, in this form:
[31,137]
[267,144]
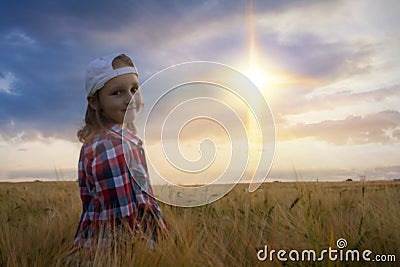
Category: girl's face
[115,96]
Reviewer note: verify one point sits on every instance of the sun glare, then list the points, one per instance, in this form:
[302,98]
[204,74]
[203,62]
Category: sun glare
[257,76]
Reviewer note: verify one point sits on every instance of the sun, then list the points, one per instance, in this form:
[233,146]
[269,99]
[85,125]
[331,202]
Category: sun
[257,76]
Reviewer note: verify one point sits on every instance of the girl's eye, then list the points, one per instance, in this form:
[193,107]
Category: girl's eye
[133,90]
[117,92]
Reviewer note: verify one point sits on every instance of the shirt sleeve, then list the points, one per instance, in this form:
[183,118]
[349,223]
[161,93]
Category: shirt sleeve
[84,189]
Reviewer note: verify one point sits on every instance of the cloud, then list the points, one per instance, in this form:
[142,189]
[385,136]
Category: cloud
[7,80]
[17,37]
[314,57]
[333,20]
[302,102]
[396,134]
[348,97]
[331,40]
[382,127]
[45,132]
[60,38]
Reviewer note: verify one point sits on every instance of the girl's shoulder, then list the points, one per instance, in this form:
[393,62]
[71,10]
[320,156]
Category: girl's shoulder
[125,135]
[115,137]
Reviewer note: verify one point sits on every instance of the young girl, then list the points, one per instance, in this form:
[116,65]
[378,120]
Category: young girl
[113,179]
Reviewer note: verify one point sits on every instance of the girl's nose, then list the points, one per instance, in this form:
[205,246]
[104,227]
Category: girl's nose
[128,97]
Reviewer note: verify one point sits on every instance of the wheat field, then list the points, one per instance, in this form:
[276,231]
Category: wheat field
[39,220]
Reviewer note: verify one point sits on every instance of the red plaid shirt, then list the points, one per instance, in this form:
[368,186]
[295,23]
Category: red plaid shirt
[114,187]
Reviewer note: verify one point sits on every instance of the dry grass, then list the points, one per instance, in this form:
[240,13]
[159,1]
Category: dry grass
[38,223]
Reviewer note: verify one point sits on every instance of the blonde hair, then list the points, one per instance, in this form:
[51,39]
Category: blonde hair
[95,122]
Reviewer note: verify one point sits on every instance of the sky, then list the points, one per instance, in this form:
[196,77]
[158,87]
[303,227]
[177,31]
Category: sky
[329,70]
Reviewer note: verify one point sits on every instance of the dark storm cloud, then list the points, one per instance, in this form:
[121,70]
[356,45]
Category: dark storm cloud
[46,45]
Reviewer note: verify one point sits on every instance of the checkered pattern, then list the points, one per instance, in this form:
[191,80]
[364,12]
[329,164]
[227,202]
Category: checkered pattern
[111,193]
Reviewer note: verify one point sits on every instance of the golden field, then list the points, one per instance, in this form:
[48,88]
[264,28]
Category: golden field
[38,221]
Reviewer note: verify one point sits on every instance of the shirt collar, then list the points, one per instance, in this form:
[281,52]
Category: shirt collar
[126,134]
